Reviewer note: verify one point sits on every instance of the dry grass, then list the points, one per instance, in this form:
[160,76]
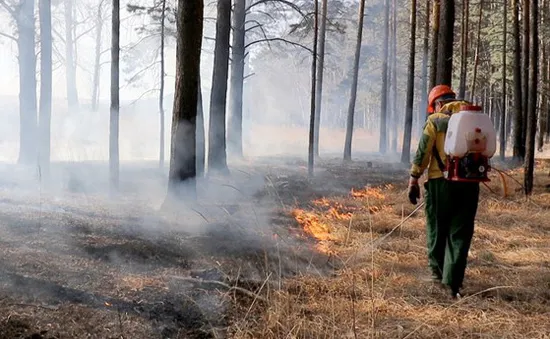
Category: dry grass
[380,290]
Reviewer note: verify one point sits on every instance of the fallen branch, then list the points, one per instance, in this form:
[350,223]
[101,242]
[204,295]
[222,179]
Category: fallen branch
[216,283]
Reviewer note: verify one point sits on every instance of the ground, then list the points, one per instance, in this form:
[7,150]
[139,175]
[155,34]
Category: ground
[266,253]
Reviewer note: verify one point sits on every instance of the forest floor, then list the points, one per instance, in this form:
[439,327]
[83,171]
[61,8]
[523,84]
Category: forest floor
[266,253]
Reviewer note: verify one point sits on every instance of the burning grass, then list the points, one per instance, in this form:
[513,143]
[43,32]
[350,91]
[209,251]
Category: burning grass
[382,291]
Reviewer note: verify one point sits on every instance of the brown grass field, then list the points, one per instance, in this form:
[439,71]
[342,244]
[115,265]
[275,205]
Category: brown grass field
[380,290]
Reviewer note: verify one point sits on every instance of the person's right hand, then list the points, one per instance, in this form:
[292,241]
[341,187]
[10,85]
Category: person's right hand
[413,191]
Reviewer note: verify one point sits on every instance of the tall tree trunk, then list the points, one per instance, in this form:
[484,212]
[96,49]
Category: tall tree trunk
[519,151]
[97,65]
[525,81]
[320,70]
[161,92]
[422,112]
[200,135]
[532,99]
[217,157]
[311,152]
[70,60]
[235,132]
[464,48]
[353,91]
[435,43]
[27,82]
[476,57]
[445,43]
[504,69]
[383,145]
[115,103]
[45,12]
[544,80]
[406,151]
[183,147]
[394,112]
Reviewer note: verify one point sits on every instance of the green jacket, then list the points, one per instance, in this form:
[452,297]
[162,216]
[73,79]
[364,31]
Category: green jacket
[434,133]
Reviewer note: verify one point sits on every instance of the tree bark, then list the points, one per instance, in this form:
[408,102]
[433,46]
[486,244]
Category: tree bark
[383,145]
[181,180]
[115,102]
[200,135]
[406,151]
[353,91]
[235,132]
[311,153]
[525,81]
[435,45]
[519,150]
[45,12]
[70,62]
[394,126]
[27,82]
[544,81]
[217,157]
[97,65]
[476,57]
[529,165]
[161,91]
[320,71]
[445,43]
[464,48]
[504,92]
[422,112]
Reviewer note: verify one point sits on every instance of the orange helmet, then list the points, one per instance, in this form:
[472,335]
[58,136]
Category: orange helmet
[436,93]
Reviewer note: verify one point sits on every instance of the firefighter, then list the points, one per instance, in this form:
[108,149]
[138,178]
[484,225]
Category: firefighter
[450,206]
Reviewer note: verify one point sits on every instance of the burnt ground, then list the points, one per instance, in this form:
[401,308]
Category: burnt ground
[76,263]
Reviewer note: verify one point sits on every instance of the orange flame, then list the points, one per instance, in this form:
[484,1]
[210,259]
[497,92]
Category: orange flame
[312,225]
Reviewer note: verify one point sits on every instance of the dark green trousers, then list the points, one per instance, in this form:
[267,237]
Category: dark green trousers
[451,208]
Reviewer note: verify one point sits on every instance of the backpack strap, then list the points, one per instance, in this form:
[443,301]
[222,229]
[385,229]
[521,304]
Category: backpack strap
[438,159]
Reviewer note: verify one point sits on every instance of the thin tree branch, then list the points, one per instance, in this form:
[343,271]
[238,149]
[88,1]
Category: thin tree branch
[8,36]
[8,8]
[285,2]
[279,39]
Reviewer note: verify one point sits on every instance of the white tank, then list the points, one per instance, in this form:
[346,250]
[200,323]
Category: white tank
[470,130]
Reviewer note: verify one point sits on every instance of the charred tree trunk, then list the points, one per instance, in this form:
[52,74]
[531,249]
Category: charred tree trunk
[311,153]
[183,147]
[200,135]
[383,145]
[422,112]
[445,43]
[27,82]
[45,12]
[464,48]
[70,62]
[519,150]
[435,44]
[406,151]
[97,65]
[217,156]
[115,103]
[532,99]
[320,71]
[504,96]
[161,91]
[353,91]
[235,132]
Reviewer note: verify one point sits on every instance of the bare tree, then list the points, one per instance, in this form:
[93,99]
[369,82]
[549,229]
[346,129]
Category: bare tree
[529,166]
[464,31]
[519,152]
[45,12]
[115,102]
[183,147]
[435,37]
[217,156]
[161,90]
[311,153]
[406,152]
[97,59]
[320,71]
[70,60]
[476,56]
[504,92]
[425,54]
[353,91]
[384,94]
